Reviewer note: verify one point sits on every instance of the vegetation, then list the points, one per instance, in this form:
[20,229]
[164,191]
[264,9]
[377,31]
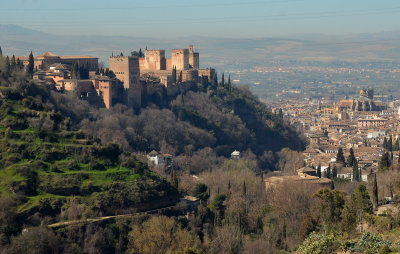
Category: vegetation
[57,165]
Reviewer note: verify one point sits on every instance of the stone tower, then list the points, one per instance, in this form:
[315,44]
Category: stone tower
[126,69]
[180,59]
[194,58]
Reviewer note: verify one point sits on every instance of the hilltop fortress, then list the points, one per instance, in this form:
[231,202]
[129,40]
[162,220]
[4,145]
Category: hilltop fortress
[128,79]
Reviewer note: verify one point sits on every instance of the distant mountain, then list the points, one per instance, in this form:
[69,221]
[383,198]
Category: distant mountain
[10,29]
[222,53]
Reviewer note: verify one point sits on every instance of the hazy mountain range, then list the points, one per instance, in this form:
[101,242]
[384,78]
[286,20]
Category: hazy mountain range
[221,53]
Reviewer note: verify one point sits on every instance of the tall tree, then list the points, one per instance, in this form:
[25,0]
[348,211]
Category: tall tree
[355,172]
[334,172]
[218,208]
[356,208]
[390,144]
[174,75]
[31,64]
[351,159]
[140,52]
[244,189]
[385,143]
[13,63]
[340,156]
[396,146]
[375,193]
[385,161]
[330,207]
[319,170]
[223,80]
[328,172]
[1,52]
[180,77]
[8,65]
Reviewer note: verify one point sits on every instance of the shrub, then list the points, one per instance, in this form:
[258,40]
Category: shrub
[319,243]
[95,165]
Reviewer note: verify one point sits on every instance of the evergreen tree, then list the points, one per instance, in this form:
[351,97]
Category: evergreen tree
[396,146]
[31,64]
[334,172]
[229,82]
[385,161]
[13,66]
[121,54]
[280,113]
[20,64]
[215,81]
[385,143]
[319,171]
[223,80]
[218,208]
[201,192]
[8,66]
[351,159]
[140,52]
[332,185]
[244,189]
[356,208]
[1,52]
[355,172]
[174,178]
[375,193]
[390,144]
[328,172]
[340,156]
[174,75]
[180,77]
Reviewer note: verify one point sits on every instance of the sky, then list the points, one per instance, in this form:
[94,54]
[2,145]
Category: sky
[210,18]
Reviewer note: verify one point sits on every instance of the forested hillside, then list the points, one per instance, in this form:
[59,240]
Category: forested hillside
[50,170]
[212,115]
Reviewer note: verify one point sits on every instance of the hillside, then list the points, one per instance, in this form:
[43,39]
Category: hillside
[212,115]
[46,162]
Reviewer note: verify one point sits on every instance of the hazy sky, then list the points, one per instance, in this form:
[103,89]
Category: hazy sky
[223,18]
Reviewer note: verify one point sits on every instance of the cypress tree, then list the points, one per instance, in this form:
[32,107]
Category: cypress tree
[340,156]
[332,185]
[319,171]
[8,67]
[180,77]
[390,144]
[140,52]
[31,64]
[244,189]
[385,161]
[223,80]
[355,172]
[20,64]
[328,172]
[1,52]
[215,80]
[396,146]
[13,64]
[351,158]
[375,193]
[174,75]
[385,143]
[334,172]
